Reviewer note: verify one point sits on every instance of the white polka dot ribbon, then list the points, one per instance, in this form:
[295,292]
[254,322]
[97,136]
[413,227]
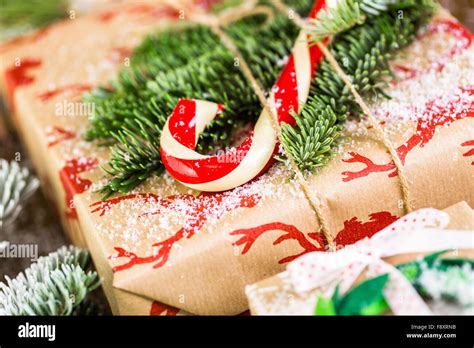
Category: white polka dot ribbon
[418,232]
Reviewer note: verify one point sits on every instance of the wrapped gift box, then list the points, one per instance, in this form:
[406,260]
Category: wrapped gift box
[277,295]
[163,243]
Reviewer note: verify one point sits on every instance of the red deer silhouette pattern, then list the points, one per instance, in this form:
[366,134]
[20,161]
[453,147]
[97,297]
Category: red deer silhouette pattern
[353,230]
[72,183]
[425,131]
[74,89]
[161,309]
[57,135]
[469,152]
[197,215]
[196,209]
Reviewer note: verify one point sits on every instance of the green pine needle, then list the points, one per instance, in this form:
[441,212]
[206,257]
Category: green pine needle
[310,142]
[347,14]
[331,21]
[186,63]
[56,284]
[192,63]
[363,52]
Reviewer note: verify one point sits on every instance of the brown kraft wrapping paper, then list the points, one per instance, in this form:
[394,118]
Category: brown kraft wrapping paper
[195,251]
[276,296]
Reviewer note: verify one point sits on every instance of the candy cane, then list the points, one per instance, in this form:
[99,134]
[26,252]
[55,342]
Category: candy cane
[241,164]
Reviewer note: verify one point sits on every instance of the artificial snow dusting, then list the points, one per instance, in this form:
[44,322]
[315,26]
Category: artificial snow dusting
[409,98]
[147,218]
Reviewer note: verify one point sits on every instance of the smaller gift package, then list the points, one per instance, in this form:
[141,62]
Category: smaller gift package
[420,264]
[164,247]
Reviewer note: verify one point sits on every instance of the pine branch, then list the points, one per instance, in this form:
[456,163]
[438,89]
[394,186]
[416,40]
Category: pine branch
[331,21]
[349,13]
[16,185]
[310,142]
[199,67]
[141,140]
[56,284]
[134,111]
[364,53]
[130,93]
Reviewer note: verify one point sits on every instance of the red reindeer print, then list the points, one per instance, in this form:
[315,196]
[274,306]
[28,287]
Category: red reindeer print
[153,11]
[56,135]
[73,89]
[104,206]
[355,230]
[72,183]
[161,309]
[198,210]
[370,166]
[107,16]
[469,152]
[250,235]
[19,75]
[435,116]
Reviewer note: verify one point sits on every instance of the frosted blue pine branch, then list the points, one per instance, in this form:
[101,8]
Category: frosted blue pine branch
[56,284]
[16,185]
[456,283]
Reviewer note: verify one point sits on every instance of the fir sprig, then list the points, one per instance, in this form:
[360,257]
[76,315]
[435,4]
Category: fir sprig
[56,284]
[363,52]
[310,142]
[335,20]
[134,111]
[16,185]
[346,14]
[141,139]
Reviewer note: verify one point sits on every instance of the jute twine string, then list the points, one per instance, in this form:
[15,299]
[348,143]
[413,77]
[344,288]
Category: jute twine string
[250,8]
[267,103]
[381,134]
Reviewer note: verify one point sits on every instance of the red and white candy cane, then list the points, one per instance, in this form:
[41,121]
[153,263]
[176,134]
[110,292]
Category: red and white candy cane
[245,162]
